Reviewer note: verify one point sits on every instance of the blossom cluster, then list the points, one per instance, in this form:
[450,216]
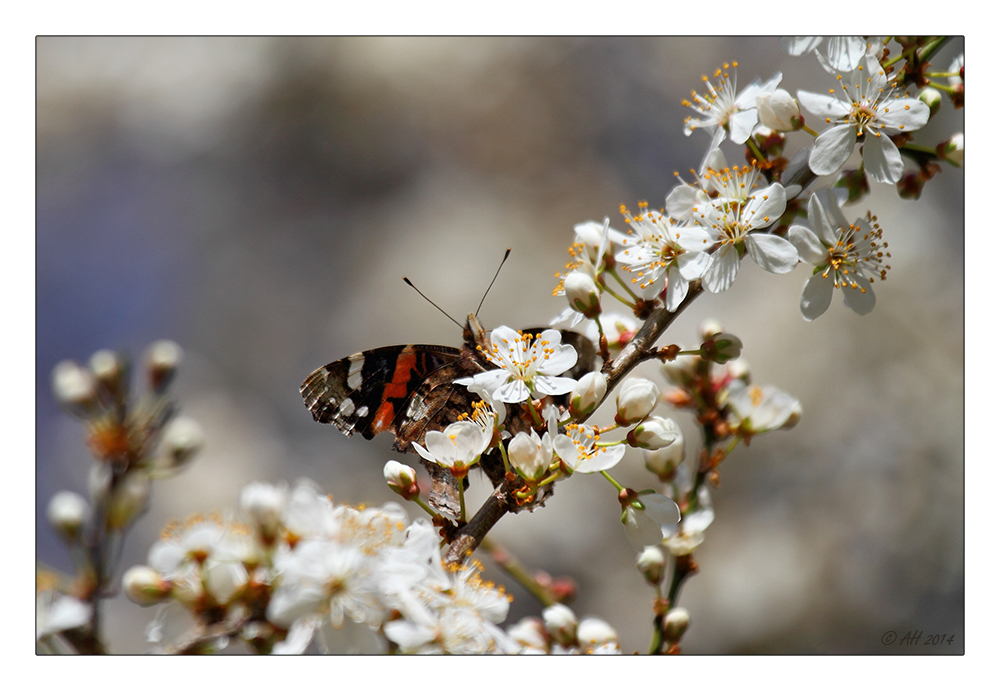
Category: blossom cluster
[297,572]
[303,569]
[133,443]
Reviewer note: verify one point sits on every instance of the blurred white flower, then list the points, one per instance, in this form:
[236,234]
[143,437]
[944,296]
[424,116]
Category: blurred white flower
[649,525]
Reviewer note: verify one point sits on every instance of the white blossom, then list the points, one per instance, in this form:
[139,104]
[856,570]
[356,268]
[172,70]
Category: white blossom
[527,366]
[846,255]
[865,107]
[662,254]
[723,110]
[649,525]
[755,410]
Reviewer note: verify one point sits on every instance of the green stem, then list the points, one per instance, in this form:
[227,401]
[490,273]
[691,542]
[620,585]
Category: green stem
[612,481]
[622,283]
[420,502]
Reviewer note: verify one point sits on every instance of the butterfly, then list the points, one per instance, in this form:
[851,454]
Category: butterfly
[409,390]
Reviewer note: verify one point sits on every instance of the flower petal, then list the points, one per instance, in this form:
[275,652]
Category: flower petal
[816,295]
[882,159]
[823,105]
[832,149]
[772,253]
[808,245]
[862,302]
[722,272]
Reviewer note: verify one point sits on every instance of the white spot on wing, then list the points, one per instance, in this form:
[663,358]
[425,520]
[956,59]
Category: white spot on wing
[346,407]
[354,373]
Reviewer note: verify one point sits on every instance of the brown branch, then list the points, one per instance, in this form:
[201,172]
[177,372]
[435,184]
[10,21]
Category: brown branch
[640,348]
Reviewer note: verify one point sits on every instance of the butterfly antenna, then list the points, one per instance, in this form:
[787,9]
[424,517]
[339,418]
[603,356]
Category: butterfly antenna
[505,255]
[407,281]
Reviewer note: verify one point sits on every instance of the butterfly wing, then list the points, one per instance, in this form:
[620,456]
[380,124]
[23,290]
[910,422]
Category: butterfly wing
[371,392]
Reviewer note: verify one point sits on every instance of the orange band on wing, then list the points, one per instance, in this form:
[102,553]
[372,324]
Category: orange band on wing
[397,388]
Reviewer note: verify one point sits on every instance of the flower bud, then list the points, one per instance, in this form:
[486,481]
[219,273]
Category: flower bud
[722,348]
[680,371]
[636,399]
[911,186]
[593,632]
[582,293]
[738,369]
[145,586]
[663,462]
[99,479]
[182,439]
[931,97]
[402,479]
[653,433]
[619,329]
[162,359]
[953,150]
[68,513]
[264,504]
[224,580]
[128,500]
[74,387]
[779,111]
[676,623]
[587,393]
[109,371]
[529,455]
[651,562]
[709,328]
[561,623]
[530,633]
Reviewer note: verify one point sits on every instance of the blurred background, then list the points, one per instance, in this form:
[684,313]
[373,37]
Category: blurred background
[258,199]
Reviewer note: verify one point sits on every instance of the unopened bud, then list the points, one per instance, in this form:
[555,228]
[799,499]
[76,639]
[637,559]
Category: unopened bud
[128,499]
[530,633]
[709,328]
[561,623]
[593,632]
[402,479]
[264,504]
[528,456]
[953,150]
[680,371]
[224,580]
[74,387]
[663,461]
[145,586]
[636,399]
[911,186]
[931,97]
[162,359]
[738,369]
[722,348]
[676,623]
[182,439]
[587,393]
[109,371]
[653,433]
[779,111]
[582,293]
[651,562]
[68,514]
